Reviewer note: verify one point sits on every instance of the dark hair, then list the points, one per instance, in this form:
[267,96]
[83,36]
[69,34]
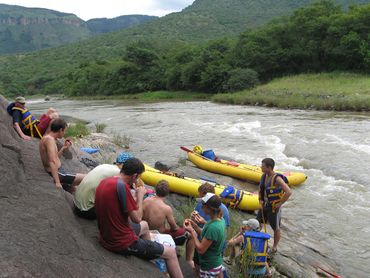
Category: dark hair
[132,166]
[269,162]
[58,124]
[162,188]
[214,204]
[206,188]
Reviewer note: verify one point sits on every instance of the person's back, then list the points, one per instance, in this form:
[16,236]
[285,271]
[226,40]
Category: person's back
[84,198]
[155,212]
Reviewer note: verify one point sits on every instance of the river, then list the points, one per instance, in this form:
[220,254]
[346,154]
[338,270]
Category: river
[332,148]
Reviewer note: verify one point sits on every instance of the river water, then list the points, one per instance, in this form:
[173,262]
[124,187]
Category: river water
[332,148]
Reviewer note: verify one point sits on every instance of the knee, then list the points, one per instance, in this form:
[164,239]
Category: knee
[169,253]
[144,227]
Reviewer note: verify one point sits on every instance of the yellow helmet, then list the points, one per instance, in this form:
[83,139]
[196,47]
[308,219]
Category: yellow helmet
[198,149]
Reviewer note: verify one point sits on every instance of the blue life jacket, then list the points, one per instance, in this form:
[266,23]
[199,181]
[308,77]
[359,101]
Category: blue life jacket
[29,122]
[255,247]
[273,193]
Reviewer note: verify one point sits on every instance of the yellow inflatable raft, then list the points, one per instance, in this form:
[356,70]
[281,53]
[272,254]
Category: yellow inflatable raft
[240,171]
[187,186]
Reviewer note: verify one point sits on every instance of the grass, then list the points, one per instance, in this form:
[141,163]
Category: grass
[122,140]
[153,96]
[100,127]
[78,129]
[325,91]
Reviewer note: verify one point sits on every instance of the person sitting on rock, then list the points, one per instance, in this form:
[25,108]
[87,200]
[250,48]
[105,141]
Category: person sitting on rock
[251,244]
[157,213]
[115,207]
[50,157]
[25,123]
[84,198]
[212,237]
[200,217]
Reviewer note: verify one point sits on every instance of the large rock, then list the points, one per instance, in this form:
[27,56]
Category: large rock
[39,234]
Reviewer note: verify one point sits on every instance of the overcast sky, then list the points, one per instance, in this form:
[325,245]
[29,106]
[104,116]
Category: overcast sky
[87,9]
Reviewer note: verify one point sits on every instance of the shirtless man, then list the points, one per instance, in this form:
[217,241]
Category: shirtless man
[156,212]
[50,157]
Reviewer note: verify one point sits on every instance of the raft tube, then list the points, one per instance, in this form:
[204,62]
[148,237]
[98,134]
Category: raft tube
[189,187]
[239,171]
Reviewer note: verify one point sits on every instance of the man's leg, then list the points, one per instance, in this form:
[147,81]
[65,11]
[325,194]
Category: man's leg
[189,253]
[275,220]
[78,179]
[144,230]
[173,266]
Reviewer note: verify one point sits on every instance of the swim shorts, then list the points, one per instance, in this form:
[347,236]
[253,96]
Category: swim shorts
[145,249]
[65,179]
[274,218]
[179,236]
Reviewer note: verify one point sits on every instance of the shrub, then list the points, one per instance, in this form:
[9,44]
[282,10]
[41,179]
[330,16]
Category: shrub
[78,129]
[100,127]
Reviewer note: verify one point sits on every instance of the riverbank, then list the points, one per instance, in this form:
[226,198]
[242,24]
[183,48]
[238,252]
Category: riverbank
[297,257]
[324,91]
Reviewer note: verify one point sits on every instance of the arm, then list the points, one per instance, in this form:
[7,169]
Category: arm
[201,246]
[286,189]
[66,145]
[52,160]
[137,215]
[20,132]
[171,220]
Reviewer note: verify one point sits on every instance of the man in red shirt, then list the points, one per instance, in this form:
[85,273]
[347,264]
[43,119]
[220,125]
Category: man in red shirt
[115,206]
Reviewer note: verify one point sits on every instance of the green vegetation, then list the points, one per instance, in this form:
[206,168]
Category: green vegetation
[122,141]
[329,91]
[78,129]
[100,127]
[322,37]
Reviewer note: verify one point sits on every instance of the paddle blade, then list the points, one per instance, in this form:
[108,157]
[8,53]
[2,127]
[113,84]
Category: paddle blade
[186,149]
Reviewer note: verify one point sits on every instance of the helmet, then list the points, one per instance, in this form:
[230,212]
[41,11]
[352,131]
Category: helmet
[198,149]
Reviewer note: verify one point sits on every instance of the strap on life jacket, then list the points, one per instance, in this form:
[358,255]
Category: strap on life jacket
[274,193]
[121,191]
[231,193]
[256,247]
[28,121]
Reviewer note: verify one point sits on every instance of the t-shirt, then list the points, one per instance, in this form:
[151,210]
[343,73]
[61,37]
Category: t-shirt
[84,198]
[116,233]
[201,212]
[213,230]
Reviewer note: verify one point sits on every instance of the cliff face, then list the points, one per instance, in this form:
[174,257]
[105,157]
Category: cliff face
[39,234]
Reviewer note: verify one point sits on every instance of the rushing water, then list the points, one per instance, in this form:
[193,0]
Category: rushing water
[333,149]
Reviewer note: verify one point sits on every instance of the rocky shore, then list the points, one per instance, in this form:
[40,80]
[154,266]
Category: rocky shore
[40,236]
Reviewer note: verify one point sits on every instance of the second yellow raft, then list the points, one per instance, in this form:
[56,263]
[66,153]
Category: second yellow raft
[240,171]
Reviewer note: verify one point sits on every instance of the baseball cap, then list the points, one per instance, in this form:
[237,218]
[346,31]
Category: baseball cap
[122,157]
[252,223]
[210,200]
[20,100]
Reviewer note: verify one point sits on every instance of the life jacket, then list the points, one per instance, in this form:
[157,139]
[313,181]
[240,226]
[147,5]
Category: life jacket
[273,193]
[29,122]
[255,248]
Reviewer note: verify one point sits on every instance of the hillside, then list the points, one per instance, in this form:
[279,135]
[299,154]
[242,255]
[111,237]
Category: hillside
[24,29]
[28,29]
[105,25]
[202,21]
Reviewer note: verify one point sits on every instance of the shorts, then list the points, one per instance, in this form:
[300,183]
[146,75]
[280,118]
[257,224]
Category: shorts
[87,214]
[274,218]
[136,227]
[144,249]
[211,273]
[65,179]
[179,236]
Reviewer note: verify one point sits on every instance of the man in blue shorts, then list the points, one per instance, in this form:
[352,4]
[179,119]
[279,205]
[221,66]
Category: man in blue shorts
[115,207]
